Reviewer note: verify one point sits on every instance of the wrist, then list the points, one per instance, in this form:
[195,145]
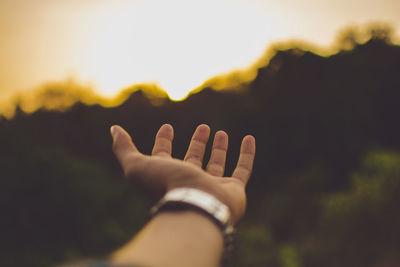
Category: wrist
[189,220]
[202,203]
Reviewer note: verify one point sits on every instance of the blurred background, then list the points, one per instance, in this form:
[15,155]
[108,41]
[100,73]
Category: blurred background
[316,82]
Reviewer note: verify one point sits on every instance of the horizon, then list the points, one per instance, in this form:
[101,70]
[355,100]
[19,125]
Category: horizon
[61,95]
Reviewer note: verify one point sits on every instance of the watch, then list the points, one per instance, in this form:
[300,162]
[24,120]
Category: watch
[194,199]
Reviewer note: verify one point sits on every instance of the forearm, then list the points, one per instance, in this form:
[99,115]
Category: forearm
[179,238]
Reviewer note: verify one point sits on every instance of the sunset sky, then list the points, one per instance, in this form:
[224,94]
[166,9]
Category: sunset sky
[177,44]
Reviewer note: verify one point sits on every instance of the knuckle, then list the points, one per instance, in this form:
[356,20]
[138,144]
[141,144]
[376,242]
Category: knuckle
[218,162]
[215,170]
[244,167]
[215,167]
[194,157]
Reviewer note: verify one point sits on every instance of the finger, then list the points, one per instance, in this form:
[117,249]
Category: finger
[246,158]
[122,143]
[163,143]
[197,145]
[216,165]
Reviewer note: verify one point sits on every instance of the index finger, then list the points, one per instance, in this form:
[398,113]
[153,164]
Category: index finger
[246,159]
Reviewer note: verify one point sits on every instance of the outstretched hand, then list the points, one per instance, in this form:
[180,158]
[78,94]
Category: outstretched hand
[160,172]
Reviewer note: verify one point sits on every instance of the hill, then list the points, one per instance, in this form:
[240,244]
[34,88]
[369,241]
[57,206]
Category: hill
[321,124]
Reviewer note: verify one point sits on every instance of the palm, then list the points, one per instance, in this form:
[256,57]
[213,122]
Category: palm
[160,172]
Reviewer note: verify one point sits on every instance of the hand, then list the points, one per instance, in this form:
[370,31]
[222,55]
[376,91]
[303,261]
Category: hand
[160,172]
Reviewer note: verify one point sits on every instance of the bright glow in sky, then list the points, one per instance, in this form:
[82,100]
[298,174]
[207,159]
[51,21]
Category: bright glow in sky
[177,44]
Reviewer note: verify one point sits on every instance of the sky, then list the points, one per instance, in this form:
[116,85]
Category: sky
[176,44]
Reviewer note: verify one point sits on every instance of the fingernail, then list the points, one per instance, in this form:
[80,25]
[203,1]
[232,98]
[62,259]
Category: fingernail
[113,130]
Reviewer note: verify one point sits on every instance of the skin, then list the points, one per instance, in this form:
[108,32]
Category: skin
[183,238]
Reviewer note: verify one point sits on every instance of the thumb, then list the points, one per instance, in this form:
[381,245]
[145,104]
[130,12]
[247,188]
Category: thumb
[122,143]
